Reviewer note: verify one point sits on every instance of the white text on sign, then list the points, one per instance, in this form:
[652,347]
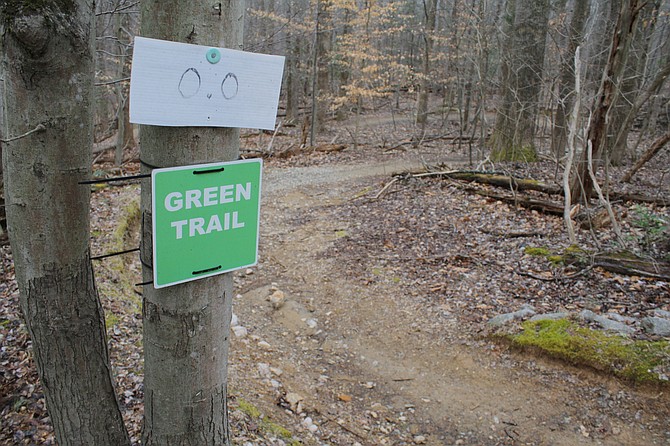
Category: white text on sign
[209,196]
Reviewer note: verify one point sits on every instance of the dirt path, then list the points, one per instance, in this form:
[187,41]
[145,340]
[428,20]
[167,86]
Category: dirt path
[371,365]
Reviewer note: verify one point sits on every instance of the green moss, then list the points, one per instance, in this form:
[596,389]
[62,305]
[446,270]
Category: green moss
[537,251]
[110,320]
[265,424]
[625,358]
[556,260]
[248,408]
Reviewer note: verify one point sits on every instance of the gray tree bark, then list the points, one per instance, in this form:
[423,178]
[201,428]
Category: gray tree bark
[559,140]
[581,186]
[430,14]
[186,326]
[48,65]
[522,70]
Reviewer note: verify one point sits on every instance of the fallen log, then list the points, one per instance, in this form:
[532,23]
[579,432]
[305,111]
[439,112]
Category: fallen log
[547,207]
[624,262]
[525,184]
[299,150]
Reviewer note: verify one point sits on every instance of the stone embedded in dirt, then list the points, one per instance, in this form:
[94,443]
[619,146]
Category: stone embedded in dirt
[309,425]
[419,439]
[656,326]
[294,401]
[503,319]
[264,370]
[311,323]
[550,316]
[234,321]
[277,299]
[662,313]
[264,345]
[240,332]
[605,323]
[619,318]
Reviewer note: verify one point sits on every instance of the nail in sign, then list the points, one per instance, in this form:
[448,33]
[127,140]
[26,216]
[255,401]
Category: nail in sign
[182,85]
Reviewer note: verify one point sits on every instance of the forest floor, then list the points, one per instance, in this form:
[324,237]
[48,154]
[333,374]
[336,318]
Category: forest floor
[365,320]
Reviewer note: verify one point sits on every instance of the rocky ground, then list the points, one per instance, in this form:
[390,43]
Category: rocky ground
[366,319]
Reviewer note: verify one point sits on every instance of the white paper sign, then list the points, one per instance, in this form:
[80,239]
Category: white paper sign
[182,85]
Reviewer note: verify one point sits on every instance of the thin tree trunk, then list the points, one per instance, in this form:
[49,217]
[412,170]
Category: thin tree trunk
[430,13]
[582,185]
[49,60]
[186,326]
[559,140]
[522,70]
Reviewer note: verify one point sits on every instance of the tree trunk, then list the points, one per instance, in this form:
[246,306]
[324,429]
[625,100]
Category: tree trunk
[48,72]
[323,44]
[581,187]
[430,15]
[186,326]
[559,140]
[631,81]
[514,133]
[292,82]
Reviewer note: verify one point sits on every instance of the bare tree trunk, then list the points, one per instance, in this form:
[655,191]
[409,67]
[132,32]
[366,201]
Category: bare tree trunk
[186,326]
[514,134]
[292,74]
[430,13]
[582,185]
[559,140]
[323,44]
[632,80]
[48,72]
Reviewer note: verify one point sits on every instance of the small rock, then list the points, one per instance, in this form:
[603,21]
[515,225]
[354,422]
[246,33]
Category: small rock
[656,326]
[419,439]
[619,318]
[277,299]
[606,323]
[234,321]
[311,323]
[550,316]
[264,345]
[295,402]
[264,370]
[240,332]
[503,319]
[276,371]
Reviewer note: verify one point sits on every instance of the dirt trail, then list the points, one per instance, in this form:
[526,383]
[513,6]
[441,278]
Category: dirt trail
[375,366]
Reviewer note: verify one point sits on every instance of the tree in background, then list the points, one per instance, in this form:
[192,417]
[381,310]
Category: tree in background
[522,68]
[48,66]
[186,326]
[430,16]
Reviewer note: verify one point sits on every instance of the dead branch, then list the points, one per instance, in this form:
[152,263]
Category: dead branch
[521,184]
[649,154]
[298,150]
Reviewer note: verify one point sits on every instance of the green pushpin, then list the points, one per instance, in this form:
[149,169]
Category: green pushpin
[213,55]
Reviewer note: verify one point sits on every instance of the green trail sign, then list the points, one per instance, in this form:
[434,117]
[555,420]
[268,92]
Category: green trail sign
[205,220]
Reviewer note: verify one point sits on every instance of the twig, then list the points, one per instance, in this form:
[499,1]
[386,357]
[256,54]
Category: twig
[606,203]
[39,128]
[385,188]
[272,140]
[116,81]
